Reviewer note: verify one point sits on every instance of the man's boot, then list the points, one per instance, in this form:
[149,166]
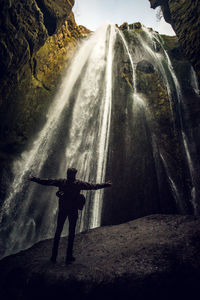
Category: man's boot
[69,259]
[55,249]
[72,224]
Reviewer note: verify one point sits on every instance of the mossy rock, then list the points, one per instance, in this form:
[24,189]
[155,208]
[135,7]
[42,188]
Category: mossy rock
[25,110]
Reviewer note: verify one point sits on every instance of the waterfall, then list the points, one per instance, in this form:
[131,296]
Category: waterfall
[76,134]
[136,97]
[130,59]
[183,134]
[150,47]
[194,81]
[175,191]
[109,118]
[159,60]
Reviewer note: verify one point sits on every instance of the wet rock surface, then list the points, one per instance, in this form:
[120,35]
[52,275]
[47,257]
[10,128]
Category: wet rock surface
[25,26]
[145,66]
[155,257]
[37,39]
[184,17]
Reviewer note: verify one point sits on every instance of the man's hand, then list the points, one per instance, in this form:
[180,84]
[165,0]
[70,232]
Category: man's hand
[30,178]
[109,183]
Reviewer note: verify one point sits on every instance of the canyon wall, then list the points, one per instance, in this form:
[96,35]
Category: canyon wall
[37,39]
[184,16]
[153,159]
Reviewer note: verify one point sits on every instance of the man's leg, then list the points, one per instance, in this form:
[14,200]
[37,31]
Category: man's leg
[60,223]
[72,226]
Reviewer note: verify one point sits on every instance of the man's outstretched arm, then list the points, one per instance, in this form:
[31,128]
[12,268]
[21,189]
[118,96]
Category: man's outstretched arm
[44,181]
[90,186]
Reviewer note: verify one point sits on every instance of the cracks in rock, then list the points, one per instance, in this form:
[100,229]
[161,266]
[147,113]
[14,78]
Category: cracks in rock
[34,68]
[45,87]
[50,21]
[34,72]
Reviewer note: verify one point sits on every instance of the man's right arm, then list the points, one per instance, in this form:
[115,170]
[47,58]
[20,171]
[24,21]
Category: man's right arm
[44,181]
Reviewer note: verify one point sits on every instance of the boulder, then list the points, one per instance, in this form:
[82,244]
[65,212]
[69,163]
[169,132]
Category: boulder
[124,26]
[154,257]
[145,66]
[137,25]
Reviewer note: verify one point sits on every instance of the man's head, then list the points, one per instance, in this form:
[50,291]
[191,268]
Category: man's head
[71,173]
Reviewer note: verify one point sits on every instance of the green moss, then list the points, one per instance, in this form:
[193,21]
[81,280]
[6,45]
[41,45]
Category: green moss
[128,79]
[169,42]
[186,19]
[32,96]
[159,111]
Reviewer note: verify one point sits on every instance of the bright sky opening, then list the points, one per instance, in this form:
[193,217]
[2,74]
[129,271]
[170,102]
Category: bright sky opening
[93,13]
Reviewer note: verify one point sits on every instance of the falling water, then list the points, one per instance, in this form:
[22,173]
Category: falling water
[77,134]
[105,131]
[150,47]
[183,134]
[158,60]
[147,45]
[78,122]
[138,100]
[194,81]
[130,59]
[175,191]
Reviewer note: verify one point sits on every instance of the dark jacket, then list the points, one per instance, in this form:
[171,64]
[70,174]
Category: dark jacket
[70,190]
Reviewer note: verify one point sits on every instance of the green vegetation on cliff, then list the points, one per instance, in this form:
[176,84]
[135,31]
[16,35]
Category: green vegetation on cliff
[30,76]
[184,16]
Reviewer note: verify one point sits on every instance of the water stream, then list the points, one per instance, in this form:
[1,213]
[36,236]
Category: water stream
[76,134]
[90,129]
[163,64]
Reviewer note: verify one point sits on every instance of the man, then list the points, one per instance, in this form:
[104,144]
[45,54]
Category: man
[69,195]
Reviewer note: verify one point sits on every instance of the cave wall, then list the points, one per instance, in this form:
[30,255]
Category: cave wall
[37,38]
[184,16]
[24,28]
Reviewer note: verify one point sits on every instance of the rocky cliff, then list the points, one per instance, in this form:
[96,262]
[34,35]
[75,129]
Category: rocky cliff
[156,257]
[184,16]
[37,38]
[152,129]
[148,160]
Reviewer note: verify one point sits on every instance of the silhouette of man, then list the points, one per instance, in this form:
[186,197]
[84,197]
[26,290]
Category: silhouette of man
[69,193]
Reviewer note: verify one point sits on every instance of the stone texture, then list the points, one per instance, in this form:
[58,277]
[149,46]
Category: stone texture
[138,135]
[155,3]
[184,16]
[124,26]
[32,63]
[155,257]
[54,13]
[24,28]
[145,66]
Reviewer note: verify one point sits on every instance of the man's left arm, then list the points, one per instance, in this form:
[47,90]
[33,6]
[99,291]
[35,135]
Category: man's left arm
[91,186]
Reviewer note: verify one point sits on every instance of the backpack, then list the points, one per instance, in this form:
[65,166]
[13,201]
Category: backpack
[80,202]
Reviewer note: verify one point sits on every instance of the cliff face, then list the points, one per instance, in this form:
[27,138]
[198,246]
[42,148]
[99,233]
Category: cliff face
[147,160]
[184,16]
[25,26]
[37,38]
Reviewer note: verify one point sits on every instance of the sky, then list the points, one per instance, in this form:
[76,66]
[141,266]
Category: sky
[93,13]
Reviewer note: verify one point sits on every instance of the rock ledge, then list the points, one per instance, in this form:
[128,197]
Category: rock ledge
[157,257]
